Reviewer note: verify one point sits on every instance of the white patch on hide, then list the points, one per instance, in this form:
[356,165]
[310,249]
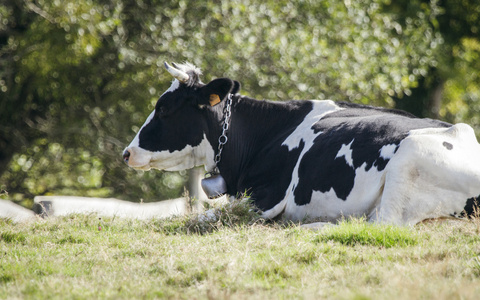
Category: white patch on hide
[388,151]
[186,158]
[346,152]
[175,85]
[362,200]
[304,130]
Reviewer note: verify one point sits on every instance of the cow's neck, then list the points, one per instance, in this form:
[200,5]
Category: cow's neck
[255,126]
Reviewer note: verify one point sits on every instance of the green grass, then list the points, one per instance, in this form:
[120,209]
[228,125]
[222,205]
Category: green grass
[358,232]
[236,255]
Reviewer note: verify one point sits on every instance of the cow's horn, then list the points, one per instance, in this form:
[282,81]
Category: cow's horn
[180,75]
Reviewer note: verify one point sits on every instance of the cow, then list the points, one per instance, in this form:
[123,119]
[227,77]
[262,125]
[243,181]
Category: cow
[311,159]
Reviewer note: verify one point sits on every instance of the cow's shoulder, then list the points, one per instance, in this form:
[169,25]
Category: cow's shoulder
[268,170]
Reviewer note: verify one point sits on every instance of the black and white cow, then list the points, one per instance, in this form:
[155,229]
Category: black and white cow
[313,159]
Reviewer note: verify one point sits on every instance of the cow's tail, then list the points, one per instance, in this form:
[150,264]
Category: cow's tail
[472,208]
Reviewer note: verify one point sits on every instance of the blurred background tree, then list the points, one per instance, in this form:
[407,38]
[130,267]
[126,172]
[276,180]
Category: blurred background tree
[79,77]
[451,88]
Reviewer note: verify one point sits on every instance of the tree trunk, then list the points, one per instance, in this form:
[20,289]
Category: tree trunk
[435,101]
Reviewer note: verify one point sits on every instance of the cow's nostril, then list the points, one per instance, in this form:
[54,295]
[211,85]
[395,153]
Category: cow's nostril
[126,156]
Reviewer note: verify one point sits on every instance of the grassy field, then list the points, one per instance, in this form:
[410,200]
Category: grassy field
[232,254]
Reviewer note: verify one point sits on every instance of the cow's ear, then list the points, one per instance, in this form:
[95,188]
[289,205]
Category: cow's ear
[216,91]
[236,87]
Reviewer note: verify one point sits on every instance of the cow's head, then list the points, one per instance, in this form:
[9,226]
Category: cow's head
[174,136]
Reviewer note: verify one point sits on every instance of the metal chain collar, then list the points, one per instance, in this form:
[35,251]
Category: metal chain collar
[222,140]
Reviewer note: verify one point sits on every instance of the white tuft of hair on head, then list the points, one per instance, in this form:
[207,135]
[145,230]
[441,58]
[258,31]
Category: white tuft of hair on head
[188,67]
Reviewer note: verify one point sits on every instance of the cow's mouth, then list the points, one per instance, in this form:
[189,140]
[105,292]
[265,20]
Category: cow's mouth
[135,158]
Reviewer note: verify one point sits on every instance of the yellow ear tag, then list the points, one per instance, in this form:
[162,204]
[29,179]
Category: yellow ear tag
[214,99]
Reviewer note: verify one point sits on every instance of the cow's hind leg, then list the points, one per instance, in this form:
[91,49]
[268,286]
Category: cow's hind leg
[421,183]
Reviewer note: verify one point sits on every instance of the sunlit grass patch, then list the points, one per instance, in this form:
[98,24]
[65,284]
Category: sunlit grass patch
[231,253]
[359,232]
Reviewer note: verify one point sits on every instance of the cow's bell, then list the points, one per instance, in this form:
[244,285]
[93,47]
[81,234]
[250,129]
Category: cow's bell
[214,186]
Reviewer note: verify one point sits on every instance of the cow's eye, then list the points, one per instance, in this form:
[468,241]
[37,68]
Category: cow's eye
[161,111]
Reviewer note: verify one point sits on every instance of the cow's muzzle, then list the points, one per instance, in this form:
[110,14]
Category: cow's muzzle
[126,156]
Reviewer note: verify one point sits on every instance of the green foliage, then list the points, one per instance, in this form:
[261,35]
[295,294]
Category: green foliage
[462,88]
[450,89]
[78,78]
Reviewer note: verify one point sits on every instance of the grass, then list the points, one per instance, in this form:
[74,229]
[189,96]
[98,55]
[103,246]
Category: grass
[230,253]
[359,232]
